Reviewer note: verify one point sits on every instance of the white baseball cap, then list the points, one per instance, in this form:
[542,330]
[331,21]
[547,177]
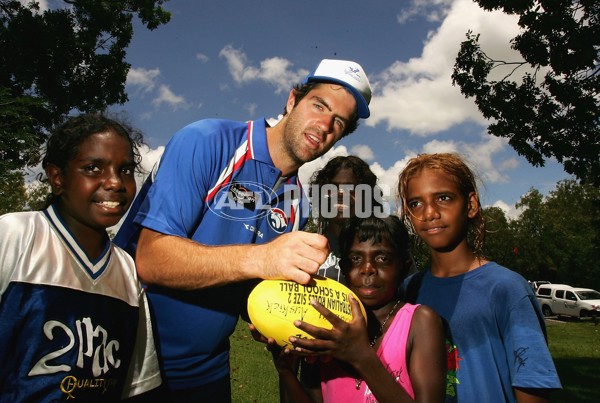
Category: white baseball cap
[349,74]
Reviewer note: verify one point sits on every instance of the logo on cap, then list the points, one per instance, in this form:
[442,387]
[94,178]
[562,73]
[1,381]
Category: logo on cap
[353,72]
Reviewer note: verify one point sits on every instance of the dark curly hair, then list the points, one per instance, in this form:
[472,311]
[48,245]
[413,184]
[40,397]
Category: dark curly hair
[63,144]
[301,90]
[360,168]
[376,229]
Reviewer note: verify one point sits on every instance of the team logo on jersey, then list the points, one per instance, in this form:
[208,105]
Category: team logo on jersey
[278,220]
[241,195]
[241,200]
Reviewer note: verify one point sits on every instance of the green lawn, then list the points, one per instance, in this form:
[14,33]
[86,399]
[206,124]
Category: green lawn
[253,375]
[575,348]
[574,344]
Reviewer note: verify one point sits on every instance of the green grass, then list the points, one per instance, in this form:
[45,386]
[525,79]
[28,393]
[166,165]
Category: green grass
[575,348]
[574,345]
[253,375]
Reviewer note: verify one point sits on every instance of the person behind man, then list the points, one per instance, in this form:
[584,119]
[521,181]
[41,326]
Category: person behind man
[221,209]
[343,186]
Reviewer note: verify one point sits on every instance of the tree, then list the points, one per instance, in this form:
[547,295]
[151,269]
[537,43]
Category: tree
[500,242]
[554,110]
[21,197]
[558,237]
[572,213]
[58,61]
[18,146]
[532,259]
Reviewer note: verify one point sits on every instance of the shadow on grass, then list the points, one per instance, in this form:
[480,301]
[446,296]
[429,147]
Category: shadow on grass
[582,376]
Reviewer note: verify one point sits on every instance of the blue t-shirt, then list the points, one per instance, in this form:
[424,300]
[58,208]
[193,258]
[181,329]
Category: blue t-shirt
[497,336]
[216,184]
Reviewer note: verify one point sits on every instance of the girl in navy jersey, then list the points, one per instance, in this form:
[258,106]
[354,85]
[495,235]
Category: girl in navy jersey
[73,316]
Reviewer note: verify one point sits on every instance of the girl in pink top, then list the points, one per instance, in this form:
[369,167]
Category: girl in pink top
[399,356]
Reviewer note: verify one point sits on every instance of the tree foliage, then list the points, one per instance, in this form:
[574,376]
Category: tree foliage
[531,236]
[554,110]
[15,196]
[555,238]
[58,61]
[572,217]
[499,240]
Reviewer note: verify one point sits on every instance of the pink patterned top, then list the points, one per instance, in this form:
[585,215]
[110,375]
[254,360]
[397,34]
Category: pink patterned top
[338,385]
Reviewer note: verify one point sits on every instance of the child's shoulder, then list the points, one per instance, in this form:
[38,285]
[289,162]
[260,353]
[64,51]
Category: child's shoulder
[500,279]
[18,216]
[502,273]
[19,222]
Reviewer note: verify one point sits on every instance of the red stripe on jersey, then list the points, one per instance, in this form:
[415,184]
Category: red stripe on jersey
[242,154]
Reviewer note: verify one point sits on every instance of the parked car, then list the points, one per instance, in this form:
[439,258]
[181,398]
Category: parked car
[562,299]
[535,284]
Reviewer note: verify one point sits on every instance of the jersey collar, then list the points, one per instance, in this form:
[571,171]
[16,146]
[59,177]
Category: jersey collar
[94,268]
[257,135]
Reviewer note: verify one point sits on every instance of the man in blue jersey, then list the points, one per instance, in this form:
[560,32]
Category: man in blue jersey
[222,208]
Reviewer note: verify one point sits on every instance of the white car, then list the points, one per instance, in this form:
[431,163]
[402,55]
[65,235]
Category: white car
[536,284]
[561,299]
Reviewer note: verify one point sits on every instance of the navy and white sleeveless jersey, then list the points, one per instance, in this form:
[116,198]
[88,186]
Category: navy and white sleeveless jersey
[217,185]
[68,325]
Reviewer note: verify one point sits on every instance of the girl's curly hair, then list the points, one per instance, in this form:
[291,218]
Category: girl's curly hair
[454,166]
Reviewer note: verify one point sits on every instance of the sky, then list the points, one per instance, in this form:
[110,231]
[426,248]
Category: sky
[239,59]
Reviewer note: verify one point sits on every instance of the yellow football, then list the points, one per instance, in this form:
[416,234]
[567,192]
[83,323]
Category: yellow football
[274,305]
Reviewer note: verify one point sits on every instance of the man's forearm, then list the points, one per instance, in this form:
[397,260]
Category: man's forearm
[181,263]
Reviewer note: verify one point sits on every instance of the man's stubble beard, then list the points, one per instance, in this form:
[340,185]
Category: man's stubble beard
[293,142]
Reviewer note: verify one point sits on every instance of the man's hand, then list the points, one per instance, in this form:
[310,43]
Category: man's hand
[293,256]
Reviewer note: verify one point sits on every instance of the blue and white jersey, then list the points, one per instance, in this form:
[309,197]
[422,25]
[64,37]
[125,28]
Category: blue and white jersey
[216,184]
[68,325]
